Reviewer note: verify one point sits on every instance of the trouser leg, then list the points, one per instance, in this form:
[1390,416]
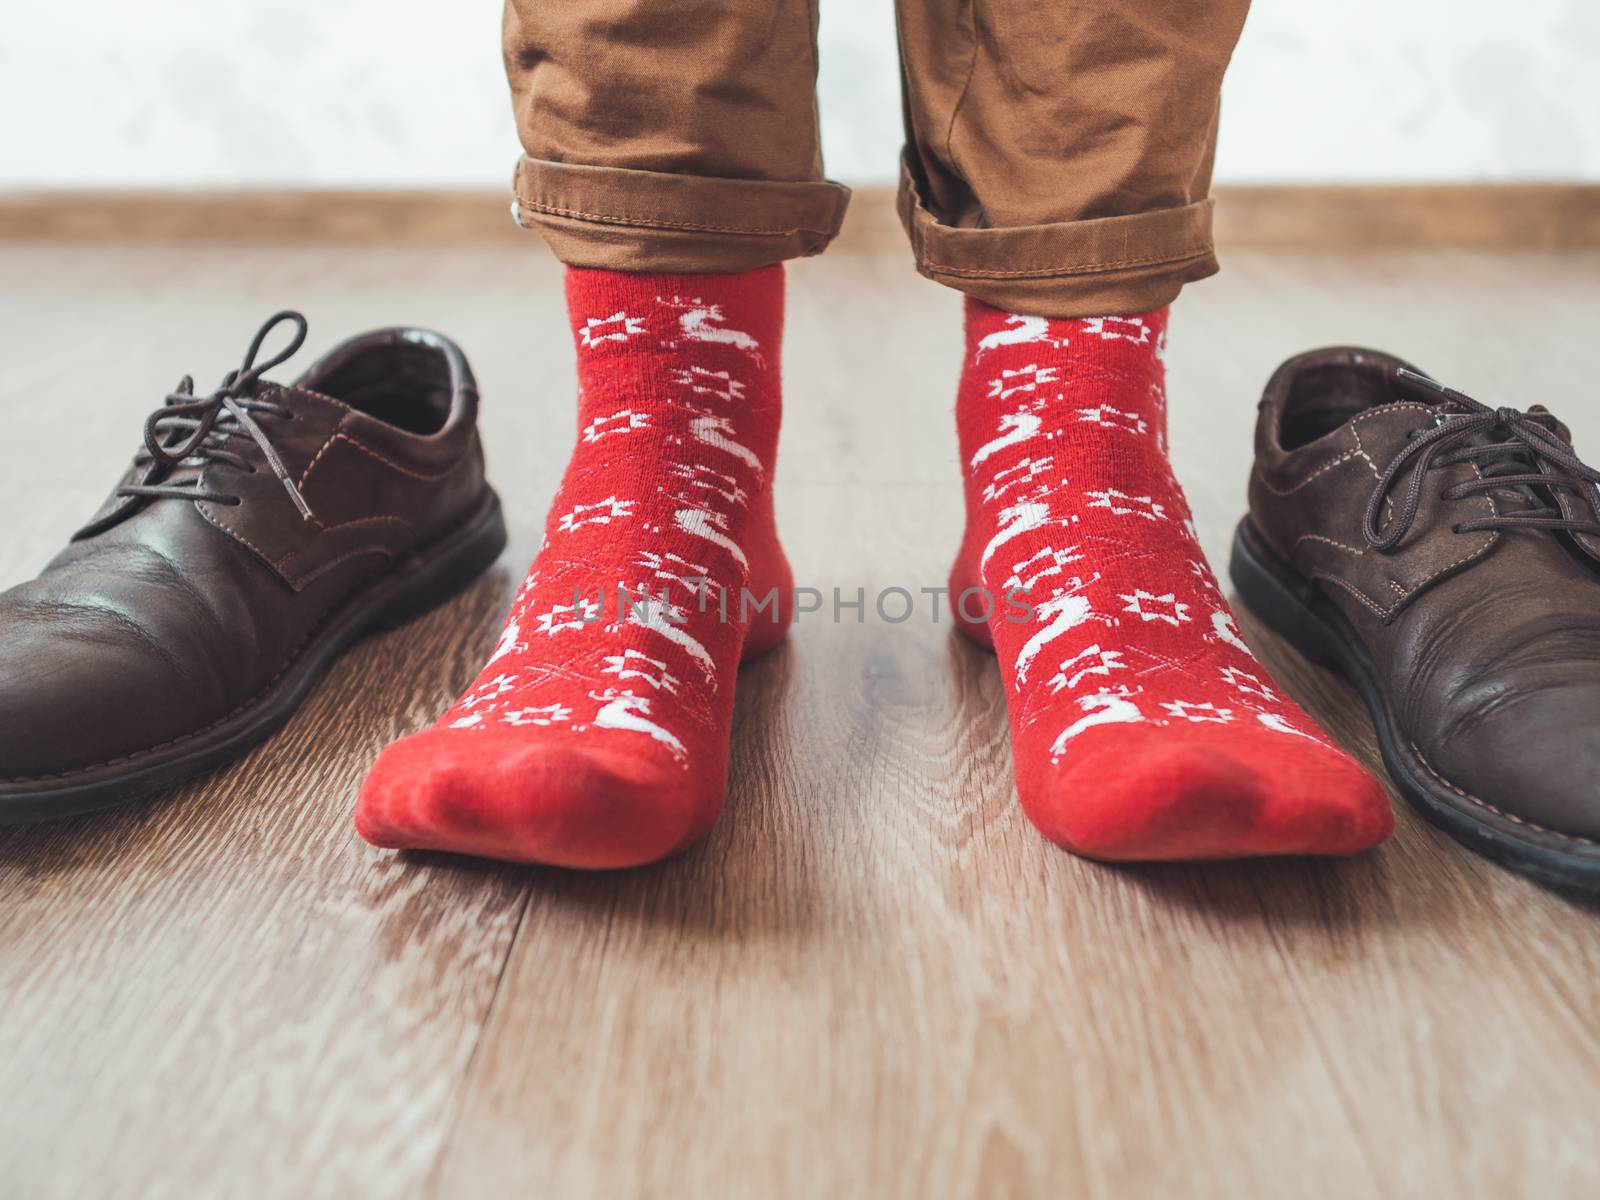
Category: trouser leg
[1058,156]
[670,135]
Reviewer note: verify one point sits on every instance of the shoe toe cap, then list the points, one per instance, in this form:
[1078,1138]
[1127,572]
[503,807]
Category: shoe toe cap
[86,689]
[1533,758]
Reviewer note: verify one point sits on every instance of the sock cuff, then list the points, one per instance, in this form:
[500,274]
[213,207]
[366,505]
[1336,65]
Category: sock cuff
[984,321]
[617,312]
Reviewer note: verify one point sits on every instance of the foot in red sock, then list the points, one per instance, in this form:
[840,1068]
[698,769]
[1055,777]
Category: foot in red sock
[1142,726]
[597,736]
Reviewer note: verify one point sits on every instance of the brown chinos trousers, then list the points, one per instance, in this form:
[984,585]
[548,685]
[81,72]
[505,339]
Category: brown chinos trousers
[1057,160]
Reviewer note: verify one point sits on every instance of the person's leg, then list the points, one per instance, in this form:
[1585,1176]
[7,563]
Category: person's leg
[670,135]
[672,163]
[1057,171]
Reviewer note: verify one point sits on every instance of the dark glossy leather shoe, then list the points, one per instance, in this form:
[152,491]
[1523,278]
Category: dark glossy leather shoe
[1444,556]
[259,532]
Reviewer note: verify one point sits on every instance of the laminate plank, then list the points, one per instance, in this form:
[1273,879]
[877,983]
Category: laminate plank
[226,993]
[879,981]
[874,978]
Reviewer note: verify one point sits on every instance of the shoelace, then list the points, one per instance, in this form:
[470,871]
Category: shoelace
[1525,440]
[197,431]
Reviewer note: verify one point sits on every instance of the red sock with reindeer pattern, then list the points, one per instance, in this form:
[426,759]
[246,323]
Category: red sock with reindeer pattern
[597,735]
[1142,726]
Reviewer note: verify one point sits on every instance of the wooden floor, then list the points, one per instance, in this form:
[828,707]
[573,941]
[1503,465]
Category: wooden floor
[874,979]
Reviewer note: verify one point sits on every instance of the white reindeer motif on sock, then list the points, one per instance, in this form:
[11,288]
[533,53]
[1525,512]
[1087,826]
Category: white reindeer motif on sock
[712,527]
[1108,706]
[1025,575]
[624,709]
[1015,428]
[1224,630]
[1025,516]
[701,322]
[706,479]
[656,615]
[674,568]
[716,431]
[1064,611]
[1279,724]
[508,643]
[1020,331]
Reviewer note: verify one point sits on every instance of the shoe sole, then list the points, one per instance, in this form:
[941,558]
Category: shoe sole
[422,582]
[1295,609]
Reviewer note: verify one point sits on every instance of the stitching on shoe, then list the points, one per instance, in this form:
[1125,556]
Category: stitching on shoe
[1372,605]
[285,565]
[1402,593]
[1359,452]
[1484,804]
[350,524]
[322,569]
[1371,414]
[317,457]
[407,471]
[1317,537]
[1361,449]
[1322,470]
[340,435]
[305,391]
[1494,538]
[233,533]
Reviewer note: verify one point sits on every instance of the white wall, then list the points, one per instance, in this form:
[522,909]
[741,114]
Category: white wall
[409,92]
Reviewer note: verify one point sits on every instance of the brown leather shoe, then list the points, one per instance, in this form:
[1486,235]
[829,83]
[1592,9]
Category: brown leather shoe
[1445,557]
[260,532]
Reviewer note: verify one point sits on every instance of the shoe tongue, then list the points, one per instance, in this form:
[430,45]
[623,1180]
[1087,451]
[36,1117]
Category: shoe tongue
[1521,461]
[1513,497]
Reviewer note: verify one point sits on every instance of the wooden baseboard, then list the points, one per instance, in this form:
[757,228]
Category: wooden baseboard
[1481,215]
[258,216]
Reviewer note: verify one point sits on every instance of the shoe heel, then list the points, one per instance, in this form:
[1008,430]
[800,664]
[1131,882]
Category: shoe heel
[1275,594]
[454,563]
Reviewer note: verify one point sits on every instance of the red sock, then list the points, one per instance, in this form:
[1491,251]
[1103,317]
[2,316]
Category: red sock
[597,736]
[1142,726]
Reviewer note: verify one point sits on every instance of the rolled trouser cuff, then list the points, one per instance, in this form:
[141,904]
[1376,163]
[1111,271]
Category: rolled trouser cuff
[621,219]
[1087,268]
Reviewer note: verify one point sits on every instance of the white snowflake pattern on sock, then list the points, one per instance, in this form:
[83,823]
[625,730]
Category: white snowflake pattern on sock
[1121,504]
[618,327]
[1149,607]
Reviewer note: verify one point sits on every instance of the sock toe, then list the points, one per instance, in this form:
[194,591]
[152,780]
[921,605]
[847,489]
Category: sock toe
[1169,795]
[531,801]
[597,733]
[1142,725]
